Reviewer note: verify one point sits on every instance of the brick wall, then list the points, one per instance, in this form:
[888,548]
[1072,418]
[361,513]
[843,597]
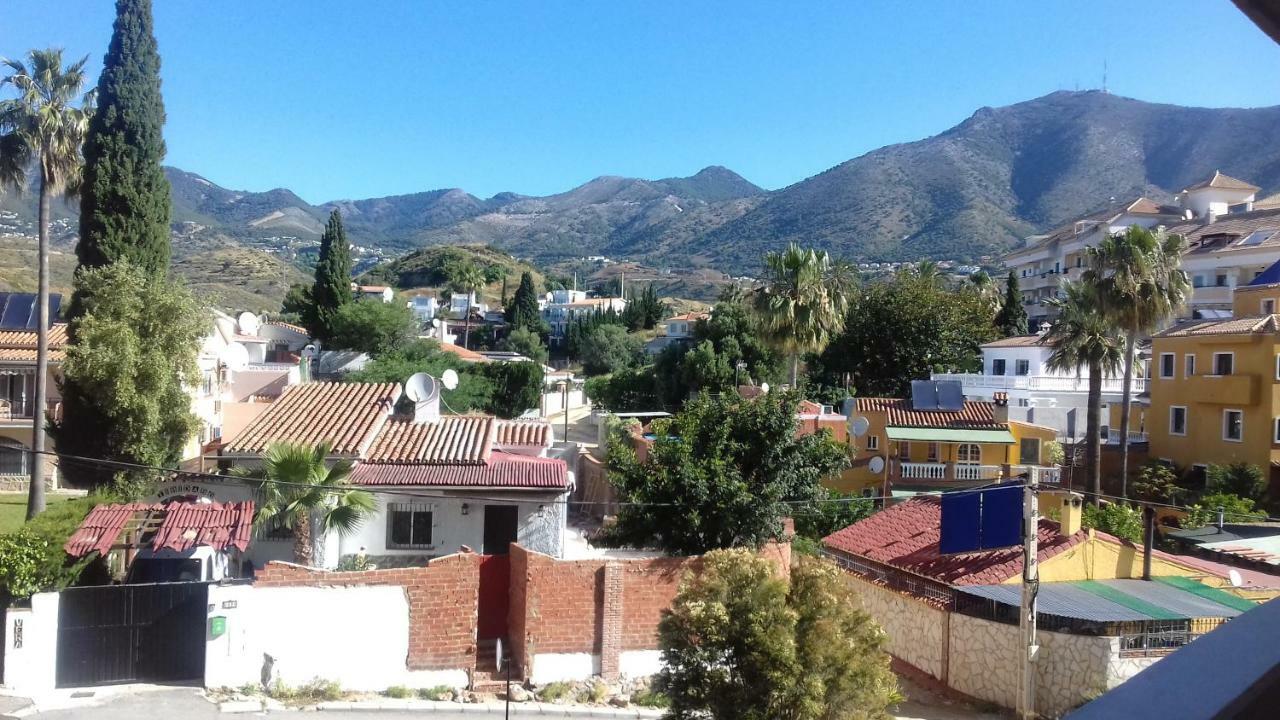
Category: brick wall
[443,598]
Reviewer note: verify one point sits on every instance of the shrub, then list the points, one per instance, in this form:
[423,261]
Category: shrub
[1242,479]
[1123,521]
[1235,509]
[398,692]
[650,698]
[439,692]
[1157,482]
[32,559]
[320,690]
[554,692]
[594,692]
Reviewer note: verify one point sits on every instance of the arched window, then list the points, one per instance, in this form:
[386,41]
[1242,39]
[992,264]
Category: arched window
[13,457]
[969,454]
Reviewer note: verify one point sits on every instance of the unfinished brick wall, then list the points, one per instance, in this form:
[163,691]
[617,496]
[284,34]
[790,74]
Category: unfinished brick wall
[443,598]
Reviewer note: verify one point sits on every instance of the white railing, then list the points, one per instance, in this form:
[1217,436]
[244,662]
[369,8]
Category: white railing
[1113,437]
[1050,474]
[976,472]
[923,471]
[1050,383]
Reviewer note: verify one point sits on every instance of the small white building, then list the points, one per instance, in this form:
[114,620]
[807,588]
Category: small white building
[425,308]
[564,306]
[676,330]
[383,293]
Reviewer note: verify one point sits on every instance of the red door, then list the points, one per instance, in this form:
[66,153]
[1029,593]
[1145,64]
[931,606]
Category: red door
[495,581]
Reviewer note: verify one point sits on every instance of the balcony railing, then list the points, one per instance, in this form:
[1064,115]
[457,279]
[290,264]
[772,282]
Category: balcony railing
[965,472]
[1046,383]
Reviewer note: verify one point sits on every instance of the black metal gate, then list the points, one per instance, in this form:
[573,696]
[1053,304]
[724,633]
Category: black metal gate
[131,633]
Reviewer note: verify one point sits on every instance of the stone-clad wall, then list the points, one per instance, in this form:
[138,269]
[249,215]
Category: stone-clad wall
[914,628]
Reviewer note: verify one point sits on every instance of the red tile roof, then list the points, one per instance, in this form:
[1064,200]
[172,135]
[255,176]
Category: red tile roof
[503,470]
[451,440]
[1224,182]
[906,537]
[524,432]
[182,526]
[1016,341]
[289,326]
[973,416]
[348,415]
[463,353]
[27,338]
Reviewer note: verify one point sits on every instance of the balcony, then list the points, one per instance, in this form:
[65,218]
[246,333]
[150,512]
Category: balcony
[15,411]
[941,472]
[1042,383]
[1221,389]
[1211,294]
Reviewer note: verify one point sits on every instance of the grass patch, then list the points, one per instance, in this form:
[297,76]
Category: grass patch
[596,692]
[439,692]
[13,509]
[555,691]
[399,692]
[650,698]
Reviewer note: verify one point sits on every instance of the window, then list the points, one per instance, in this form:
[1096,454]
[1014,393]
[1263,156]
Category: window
[1233,425]
[1220,280]
[1188,365]
[1278,367]
[1197,281]
[1223,363]
[933,452]
[1177,420]
[1166,365]
[1022,367]
[904,451]
[1275,433]
[13,458]
[873,442]
[997,366]
[968,454]
[1029,451]
[409,525]
[1268,306]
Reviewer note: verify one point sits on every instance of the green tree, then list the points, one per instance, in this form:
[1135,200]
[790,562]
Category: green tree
[934,329]
[628,390]
[646,310]
[1239,478]
[332,288]
[720,474]
[466,278]
[734,332]
[609,348]
[124,204]
[1119,519]
[741,644]
[526,342]
[297,301]
[702,369]
[523,311]
[833,511]
[125,378]
[1083,339]
[42,126]
[1141,285]
[517,387]
[1157,482]
[301,490]
[800,307]
[372,326]
[1235,509]
[32,559]
[474,391]
[1012,318]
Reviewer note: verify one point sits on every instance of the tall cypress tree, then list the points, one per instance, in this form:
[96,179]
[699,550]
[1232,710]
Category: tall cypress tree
[124,203]
[332,288]
[523,311]
[1012,318]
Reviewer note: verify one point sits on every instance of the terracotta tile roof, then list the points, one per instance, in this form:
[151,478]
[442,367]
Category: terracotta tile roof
[906,535]
[182,526]
[1270,202]
[1016,341]
[524,432]
[373,288]
[1225,233]
[289,326]
[451,440]
[348,415]
[1086,223]
[1224,182]
[15,355]
[463,353]
[503,470]
[26,339]
[898,412]
[690,316]
[1234,326]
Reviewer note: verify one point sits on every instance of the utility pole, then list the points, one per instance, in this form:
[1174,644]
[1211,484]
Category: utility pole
[1030,589]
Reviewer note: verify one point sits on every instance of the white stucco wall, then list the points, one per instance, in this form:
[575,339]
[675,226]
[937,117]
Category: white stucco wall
[562,667]
[32,668]
[356,636]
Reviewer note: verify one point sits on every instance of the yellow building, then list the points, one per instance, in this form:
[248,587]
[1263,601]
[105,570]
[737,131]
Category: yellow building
[898,445]
[1215,384]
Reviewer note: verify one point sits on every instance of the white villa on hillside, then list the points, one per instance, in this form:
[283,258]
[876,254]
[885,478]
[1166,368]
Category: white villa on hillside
[563,306]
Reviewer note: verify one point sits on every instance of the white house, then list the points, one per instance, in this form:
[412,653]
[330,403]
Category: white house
[676,330]
[441,482]
[374,292]
[564,306]
[424,307]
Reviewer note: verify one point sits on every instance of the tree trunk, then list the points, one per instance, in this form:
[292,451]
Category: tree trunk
[1093,434]
[795,370]
[302,541]
[35,493]
[1126,402]
[466,327]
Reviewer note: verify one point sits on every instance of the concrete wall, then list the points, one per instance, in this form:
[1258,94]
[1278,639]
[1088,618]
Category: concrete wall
[31,646]
[915,629]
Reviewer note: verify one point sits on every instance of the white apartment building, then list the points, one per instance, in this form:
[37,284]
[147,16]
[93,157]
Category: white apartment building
[1230,239]
[563,306]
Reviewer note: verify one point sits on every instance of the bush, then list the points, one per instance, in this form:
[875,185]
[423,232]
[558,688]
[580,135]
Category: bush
[1242,479]
[372,326]
[526,342]
[1235,509]
[834,511]
[439,692]
[555,691]
[32,559]
[594,692]
[1157,482]
[516,387]
[399,692]
[1123,521]
[650,698]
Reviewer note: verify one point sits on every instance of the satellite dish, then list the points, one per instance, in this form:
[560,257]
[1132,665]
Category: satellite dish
[449,378]
[234,356]
[248,323]
[859,426]
[420,387]
[309,351]
[764,387]
[1234,576]
[549,296]
[876,465]
[435,322]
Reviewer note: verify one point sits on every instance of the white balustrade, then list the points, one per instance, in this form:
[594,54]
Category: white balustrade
[1046,383]
[923,471]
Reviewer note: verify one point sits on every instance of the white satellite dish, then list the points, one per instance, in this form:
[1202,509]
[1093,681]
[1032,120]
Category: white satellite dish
[764,387]
[1234,576]
[449,378]
[859,426]
[420,387]
[248,323]
[549,296]
[234,356]
[309,351]
[876,465]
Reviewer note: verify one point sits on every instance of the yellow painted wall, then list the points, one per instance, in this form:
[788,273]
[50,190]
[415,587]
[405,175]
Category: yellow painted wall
[1248,301]
[1252,389]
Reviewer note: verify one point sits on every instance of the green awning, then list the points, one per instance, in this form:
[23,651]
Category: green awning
[997,437]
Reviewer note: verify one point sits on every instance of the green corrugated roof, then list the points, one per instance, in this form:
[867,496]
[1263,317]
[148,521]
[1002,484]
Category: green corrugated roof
[1001,437]
[1208,593]
[1118,597]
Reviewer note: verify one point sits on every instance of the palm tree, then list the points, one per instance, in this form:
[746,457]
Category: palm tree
[466,278]
[43,127]
[1141,285]
[980,283]
[801,305]
[298,487]
[1083,339]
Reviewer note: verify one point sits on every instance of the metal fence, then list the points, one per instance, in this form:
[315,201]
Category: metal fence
[893,579]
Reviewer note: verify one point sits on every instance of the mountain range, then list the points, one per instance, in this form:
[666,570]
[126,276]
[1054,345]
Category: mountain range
[967,193]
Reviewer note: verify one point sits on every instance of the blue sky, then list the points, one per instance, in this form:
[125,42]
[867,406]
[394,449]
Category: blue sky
[340,99]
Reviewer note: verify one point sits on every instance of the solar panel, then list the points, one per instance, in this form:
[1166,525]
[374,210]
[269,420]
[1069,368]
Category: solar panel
[1002,517]
[17,312]
[961,522]
[55,307]
[1257,237]
[950,395]
[924,395]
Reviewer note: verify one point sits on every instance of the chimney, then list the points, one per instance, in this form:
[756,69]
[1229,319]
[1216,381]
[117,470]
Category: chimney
[1000,401]
[1070,512]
